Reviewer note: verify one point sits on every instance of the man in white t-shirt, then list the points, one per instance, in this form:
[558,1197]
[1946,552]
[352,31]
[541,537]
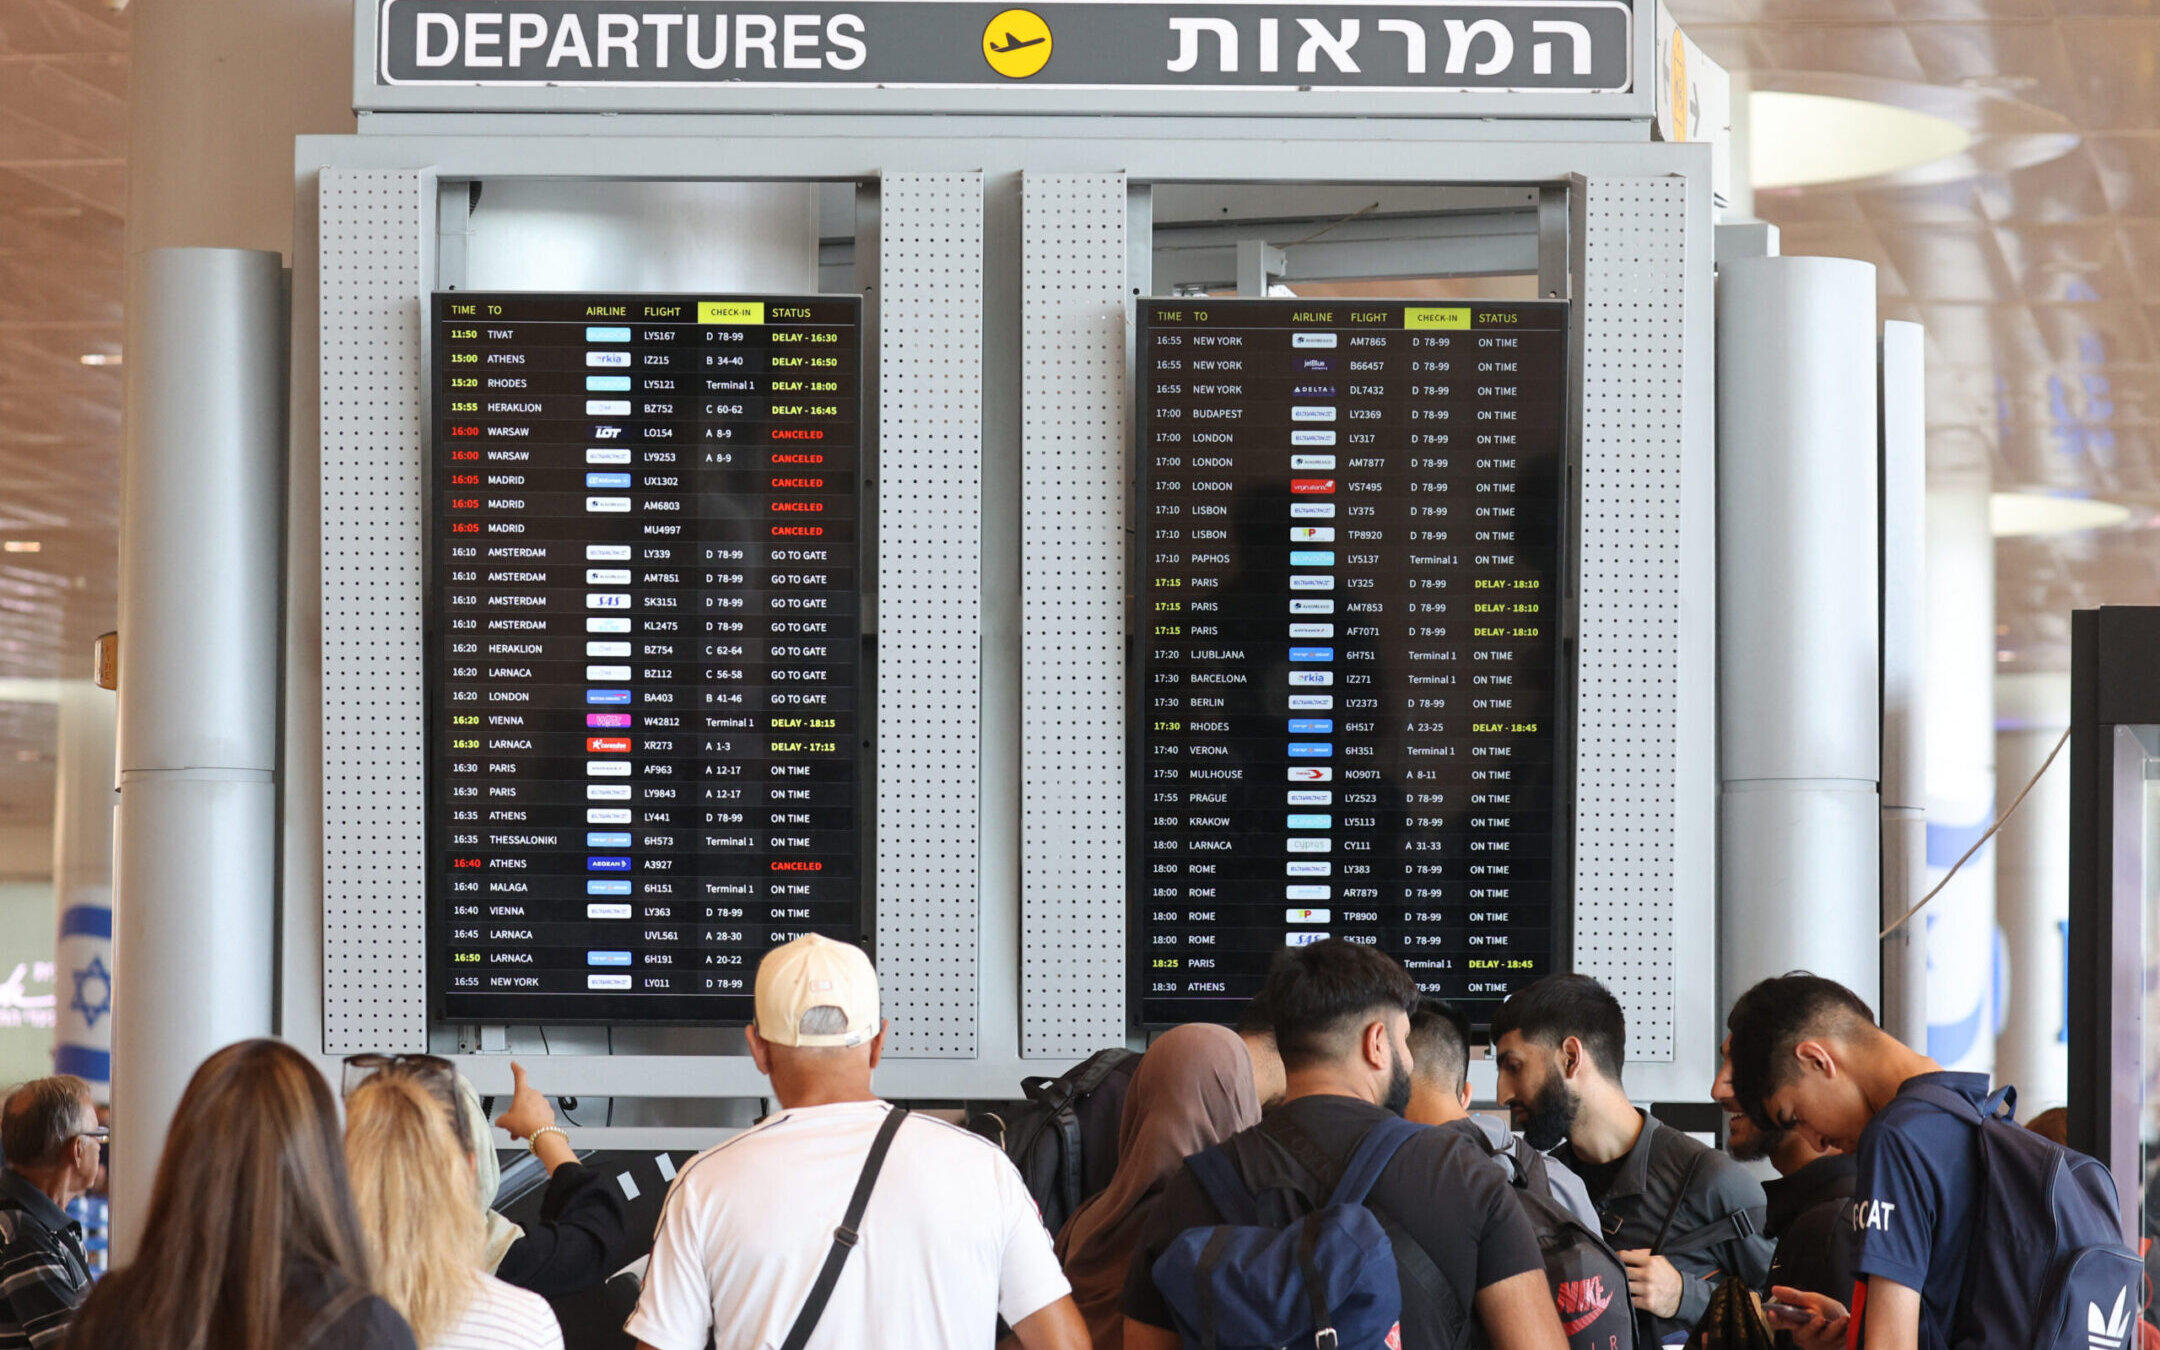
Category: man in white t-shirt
[949,1241]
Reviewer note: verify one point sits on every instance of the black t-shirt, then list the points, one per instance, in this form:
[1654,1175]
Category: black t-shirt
[1597,1178]
[1440,1187]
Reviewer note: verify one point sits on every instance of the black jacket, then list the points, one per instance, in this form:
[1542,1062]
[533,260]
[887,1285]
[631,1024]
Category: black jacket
[1810,1217]
[1671,1188]
[582,1238]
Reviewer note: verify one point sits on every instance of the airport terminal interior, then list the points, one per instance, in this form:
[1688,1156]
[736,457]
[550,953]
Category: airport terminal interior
[530,525]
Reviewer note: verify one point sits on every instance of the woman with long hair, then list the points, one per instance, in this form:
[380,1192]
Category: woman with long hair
[251,1242]
[1193,1089]
[426,1227]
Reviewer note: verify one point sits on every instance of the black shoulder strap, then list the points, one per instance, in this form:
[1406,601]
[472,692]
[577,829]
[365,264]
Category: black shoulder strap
[1741,1223]
[1687,1179]
[846,1235]
[333,1312]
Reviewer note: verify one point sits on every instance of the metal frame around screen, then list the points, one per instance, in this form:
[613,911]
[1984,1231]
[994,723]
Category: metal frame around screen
[1647,460]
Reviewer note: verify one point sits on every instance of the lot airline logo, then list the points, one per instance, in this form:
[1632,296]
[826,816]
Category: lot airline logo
[1017,43]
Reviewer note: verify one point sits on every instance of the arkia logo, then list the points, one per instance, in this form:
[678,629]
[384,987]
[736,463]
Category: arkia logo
[1584,1301]
[2110,1331]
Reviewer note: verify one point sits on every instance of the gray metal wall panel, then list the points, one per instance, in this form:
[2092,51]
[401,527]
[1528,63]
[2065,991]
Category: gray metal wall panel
[374,228]
[929,741]
[1073,477]
[1627,784]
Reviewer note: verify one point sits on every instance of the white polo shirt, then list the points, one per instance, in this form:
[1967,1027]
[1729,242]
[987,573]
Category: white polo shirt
[951,1240]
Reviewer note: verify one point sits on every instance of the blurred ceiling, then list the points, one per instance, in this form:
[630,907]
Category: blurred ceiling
[63,144]
[2039,286]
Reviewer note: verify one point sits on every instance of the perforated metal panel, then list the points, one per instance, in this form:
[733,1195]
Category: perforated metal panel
[373,228]
[929,752]
[1634,292]
[1072,558]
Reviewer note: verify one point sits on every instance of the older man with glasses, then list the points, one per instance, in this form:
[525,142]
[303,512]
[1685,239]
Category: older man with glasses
[54,1149]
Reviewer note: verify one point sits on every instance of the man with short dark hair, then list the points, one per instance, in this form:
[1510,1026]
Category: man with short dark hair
[1440,1095]
[1808,1057]
[49,1134]
[1810,1203]
[1341,1014]
[1679,1215]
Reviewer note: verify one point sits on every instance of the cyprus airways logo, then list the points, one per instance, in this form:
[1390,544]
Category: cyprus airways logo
[1585,1301]
[2109,1331]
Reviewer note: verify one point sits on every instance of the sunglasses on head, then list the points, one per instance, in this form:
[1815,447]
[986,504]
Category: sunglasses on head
[435,1075]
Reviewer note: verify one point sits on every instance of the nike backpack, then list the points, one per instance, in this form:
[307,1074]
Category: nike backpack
[1588,1282]
[2047,1268]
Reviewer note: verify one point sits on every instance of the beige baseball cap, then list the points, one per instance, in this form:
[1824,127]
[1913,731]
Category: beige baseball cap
[816,972]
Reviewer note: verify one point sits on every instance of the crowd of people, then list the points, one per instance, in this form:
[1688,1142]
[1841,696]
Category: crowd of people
[1312,1177]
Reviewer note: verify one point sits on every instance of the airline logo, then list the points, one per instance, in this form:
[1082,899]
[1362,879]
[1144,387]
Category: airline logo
[1312,653]
[1298,749]
[1299,821]
[1301,773]
[1311,437]
[1299,412]
[1312,606]
[613,506]
[607,649]
[1296,339]
[1308,916]
[1298,391]
[607,958]
[607,696]
[1312,510]
[606,721]
[606,815]
[1312,726]
[607,672]
[1312,679]
[1305,845]
[607,625]
[607,839]
[607,576]
[607,360]
[1304,939]
[1304,797]
[1320,581]
[606,768]
[1313,364]
[607,407]
[2109,1332]
[607,552]
[607,335]
[607,911]
[607,792]
[607,480]
[606,600]
[1312,630]
[607,864]
[597,886]
[607,982]
[607,384]
[607,745]
[1312,557]
[1306,869]
[1306,892]
[1312,487]
[604,455]
[1312,461]
[1311,702]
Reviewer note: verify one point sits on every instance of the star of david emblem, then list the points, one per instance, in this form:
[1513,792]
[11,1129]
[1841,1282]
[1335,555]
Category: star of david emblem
[93,991]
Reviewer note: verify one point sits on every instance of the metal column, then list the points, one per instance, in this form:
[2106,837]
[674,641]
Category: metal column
[1903,1010]
[202,480]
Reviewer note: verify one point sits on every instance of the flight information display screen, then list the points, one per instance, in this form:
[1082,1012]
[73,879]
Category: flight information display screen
[643,655]
[1350,690]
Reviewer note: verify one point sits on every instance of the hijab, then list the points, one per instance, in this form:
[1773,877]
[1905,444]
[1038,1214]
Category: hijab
[487,1177]
[1194,1088]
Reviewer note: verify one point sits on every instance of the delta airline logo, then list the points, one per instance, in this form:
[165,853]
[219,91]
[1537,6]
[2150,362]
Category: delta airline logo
[2112,1331]
[1582,1302]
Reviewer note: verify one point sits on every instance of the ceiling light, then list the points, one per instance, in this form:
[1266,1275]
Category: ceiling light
[22,546]
[100,358]
[2013,514]
[1800,140]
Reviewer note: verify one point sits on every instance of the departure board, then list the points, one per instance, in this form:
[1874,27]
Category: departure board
[643,649]
[1350,695]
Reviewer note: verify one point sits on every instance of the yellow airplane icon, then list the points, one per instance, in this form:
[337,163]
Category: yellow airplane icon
[1016,43]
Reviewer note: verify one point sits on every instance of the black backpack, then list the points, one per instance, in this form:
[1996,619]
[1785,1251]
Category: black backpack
[1064,1139]
[1589,1284]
